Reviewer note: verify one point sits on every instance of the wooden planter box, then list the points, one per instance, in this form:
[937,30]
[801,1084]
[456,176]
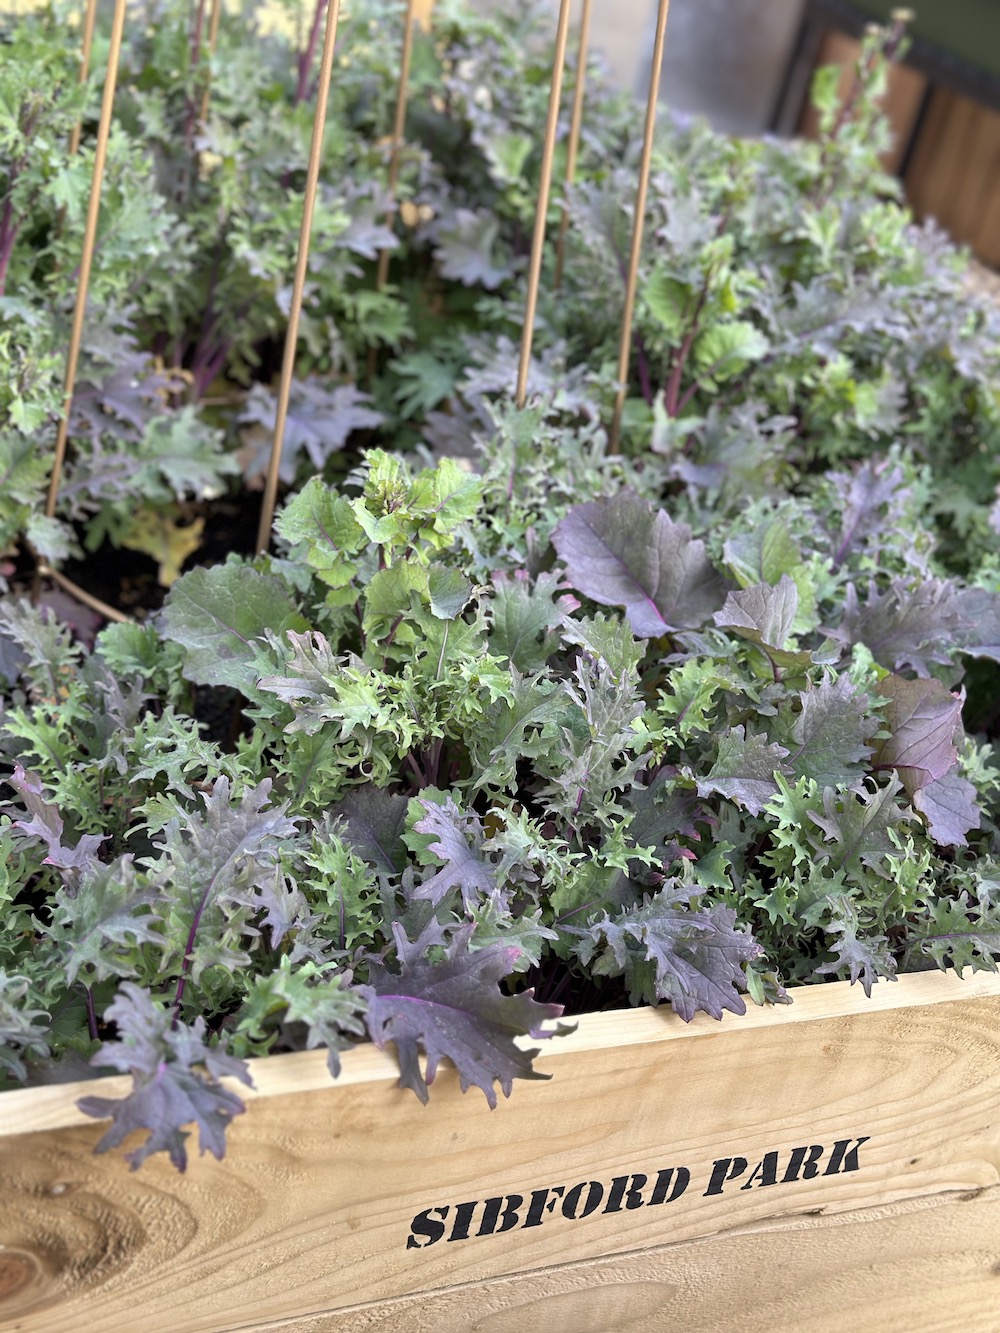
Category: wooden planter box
[822,1166]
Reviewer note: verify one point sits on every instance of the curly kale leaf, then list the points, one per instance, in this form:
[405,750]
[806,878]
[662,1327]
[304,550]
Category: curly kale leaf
[668,950]
[453,1008]
[215,871]
[861,956]
[175,1077]
[457,841]
[828,737]
[857,830]
[955,932]
[20,1033]
[744,770]
[304,997]
[46,824]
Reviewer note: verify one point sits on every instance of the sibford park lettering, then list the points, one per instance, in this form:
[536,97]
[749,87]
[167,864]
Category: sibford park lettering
[508,1212]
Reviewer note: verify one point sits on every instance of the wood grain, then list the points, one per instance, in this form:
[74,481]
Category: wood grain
[954,172]
[926,1266]
[311,1210]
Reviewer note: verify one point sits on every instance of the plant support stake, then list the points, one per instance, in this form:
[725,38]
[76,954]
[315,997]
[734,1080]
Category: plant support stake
[541,213]
[213,39]
[397,139]
[625,345]
[575,125]
[89,239]
[89,18]
[291,338]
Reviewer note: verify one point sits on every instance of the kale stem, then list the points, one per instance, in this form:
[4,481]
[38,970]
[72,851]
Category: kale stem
[8,235]
[88,996]
[671,393]
[309,54]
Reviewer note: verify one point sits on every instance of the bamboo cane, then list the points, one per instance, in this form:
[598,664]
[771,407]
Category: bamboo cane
[89,19]
[422,11]
[86,259]
[574,135]
[213,39]
[399,125]
[638,222]
[541,213]
[291,338]
[45,571]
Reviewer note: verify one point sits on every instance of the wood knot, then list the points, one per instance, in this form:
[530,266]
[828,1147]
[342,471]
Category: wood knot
[18,1269]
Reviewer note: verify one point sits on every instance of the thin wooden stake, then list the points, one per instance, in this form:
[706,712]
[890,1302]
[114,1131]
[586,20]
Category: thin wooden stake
[625,345]
[45,571]
[89,239]
[541,214]
[301,265]
[422,11]
[574,135]
[213,39]
[89,19]
[399,125]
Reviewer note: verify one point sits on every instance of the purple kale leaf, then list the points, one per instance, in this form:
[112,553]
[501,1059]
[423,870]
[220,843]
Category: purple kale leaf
[374,821]
[119,399]
[861,957]
[981,635]
[764,615]
[667,950]
[829,734]
[458,840]
[46,824]
[744,769]
[175,1079]
[872,500]
[950,807]
[620,552]
[454,1009]
[907,626]
[921,717]
[215,871]
[320,420]
[662,814]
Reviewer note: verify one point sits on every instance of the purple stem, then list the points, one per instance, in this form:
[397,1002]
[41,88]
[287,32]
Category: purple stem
[88,996]
[309,54]
[8,235]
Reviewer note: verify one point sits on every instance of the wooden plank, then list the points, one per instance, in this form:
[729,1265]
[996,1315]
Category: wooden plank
[314,1206]
[926,1266]
[954,173]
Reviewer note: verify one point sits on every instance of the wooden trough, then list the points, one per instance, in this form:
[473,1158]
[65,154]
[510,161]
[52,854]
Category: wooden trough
[830,1164]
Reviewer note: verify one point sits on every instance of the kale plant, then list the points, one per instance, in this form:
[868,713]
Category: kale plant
[505,723]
